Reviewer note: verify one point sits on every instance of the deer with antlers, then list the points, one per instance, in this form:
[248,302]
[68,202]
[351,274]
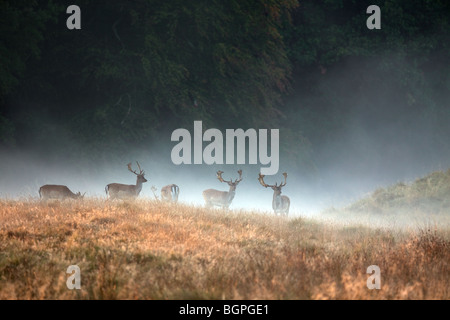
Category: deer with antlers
[280,204]
[57,192]
[170,193]
[125,191]
[222,198]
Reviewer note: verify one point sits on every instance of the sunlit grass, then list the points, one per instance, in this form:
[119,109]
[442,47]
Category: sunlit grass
[151,250]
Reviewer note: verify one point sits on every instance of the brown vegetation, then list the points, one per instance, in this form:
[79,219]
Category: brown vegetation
[152,250]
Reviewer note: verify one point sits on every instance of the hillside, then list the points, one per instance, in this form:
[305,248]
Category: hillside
[425,199]
[149,250]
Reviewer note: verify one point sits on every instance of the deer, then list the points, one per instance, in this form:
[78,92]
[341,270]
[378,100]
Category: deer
[170,193]
[280,204]
[125,191]
[58,192]
[221,198]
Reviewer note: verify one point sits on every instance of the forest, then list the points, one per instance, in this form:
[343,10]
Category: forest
[139,69]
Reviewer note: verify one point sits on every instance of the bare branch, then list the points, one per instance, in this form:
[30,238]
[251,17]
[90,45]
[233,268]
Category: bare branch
[154,189]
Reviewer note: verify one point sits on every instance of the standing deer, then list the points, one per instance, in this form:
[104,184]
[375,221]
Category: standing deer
[51,191]
[170,193]
[221,198]
[280,204]
[125,191]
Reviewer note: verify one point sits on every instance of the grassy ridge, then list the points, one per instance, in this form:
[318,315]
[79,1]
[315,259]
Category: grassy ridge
[430,194]
[150,250]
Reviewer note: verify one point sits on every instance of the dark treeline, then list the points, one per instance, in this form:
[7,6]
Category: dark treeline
[139,69]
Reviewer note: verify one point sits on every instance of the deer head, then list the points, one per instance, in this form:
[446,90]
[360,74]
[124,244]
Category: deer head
[276,188]
[230,182]
[140,175]
[280,204]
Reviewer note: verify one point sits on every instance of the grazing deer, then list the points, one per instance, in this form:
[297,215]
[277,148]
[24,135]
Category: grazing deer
[170,193]
[280,204]
[51,191]
[221,198]
[125,191]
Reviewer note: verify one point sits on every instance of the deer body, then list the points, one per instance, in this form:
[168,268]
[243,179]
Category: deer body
[126,191]
[170,193]
[221,199]
[280,204]
[57,192]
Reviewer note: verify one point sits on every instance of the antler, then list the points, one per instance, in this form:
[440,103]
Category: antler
[240,177]
[129,168]
[141,172]
[261,180]
[219,176]
[285,178]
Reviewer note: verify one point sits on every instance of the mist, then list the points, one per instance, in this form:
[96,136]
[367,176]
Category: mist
[369,118]
[349,164]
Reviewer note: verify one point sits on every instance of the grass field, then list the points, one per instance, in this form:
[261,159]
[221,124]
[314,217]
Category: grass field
[150,250]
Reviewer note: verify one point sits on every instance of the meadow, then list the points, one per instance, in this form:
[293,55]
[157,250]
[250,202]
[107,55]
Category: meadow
[147,249]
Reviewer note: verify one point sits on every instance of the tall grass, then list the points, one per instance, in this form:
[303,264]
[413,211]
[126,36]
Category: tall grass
[151,250]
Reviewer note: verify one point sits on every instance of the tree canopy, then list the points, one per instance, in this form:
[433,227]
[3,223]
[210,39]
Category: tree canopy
[138,69]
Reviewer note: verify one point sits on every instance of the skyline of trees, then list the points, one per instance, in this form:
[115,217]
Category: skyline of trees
[138,70]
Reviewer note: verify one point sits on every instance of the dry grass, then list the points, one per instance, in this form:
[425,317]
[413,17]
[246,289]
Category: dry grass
[149,250]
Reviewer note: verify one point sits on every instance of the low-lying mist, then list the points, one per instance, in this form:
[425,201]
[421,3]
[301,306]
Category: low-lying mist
[22,173]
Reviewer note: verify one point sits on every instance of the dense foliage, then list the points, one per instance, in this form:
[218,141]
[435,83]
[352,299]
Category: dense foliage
[138,69]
